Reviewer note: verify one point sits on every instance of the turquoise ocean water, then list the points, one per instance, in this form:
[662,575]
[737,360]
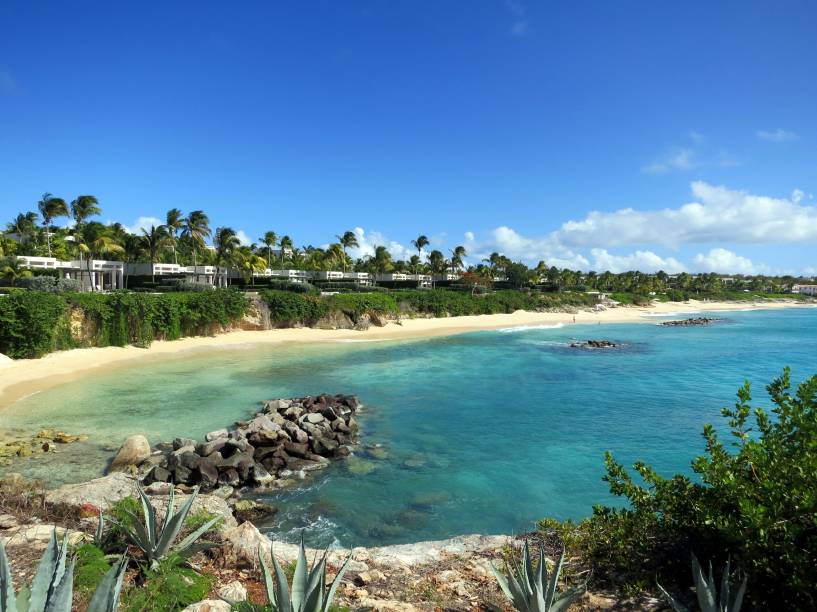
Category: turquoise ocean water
[482,432]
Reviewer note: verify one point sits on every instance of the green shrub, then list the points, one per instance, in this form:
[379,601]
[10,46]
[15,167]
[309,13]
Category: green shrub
[754,500]
[168,587]
[356,304]
[293,308]
[50,284]
[91,567]
[32,323]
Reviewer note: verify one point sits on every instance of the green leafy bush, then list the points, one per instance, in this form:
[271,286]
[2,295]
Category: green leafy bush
[90,569]
[32,323]
[755,499]
[50,284]
[294,308]
[356,304]
[168,587]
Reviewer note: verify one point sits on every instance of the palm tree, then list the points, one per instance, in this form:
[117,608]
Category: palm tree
[174,222]
[92,240]
[82,207]
[226,242]
[382,259]
[457,255]
[270,239]
[437,263]
[285,244]
[336,254]
[248,263]
[152,241]
[347,241]
[24,225]
[51,208]
[419,243]
[13,271]
[195,229]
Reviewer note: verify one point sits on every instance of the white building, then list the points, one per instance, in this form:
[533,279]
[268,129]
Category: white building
[98,274]
[805,289]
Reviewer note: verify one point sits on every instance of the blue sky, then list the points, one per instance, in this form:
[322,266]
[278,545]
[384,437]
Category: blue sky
[524,127]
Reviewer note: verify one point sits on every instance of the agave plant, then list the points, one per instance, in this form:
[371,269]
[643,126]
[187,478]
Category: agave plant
[709,599]
[53,587]
[530,590]
[308,592]
[156,539]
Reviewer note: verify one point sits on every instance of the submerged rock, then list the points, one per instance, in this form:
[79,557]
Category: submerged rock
[594,344]
[697,321]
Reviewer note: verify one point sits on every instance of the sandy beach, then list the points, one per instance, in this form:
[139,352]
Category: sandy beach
[19,378]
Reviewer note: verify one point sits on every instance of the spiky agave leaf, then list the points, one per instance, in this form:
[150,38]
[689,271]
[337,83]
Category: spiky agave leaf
[529,589]
[106,595]
[8,600]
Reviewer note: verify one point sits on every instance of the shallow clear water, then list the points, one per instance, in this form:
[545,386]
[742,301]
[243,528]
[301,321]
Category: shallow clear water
[482,432]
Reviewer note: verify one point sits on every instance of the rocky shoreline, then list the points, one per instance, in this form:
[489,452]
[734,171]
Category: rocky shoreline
[279,446]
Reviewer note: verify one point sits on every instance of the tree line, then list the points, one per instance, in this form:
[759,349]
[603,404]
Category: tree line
[183,239]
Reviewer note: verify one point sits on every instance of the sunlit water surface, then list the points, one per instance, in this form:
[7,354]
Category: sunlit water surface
[483,432]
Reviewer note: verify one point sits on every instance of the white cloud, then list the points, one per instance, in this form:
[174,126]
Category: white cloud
[643,261]
[143,223]
[696,137]
[677,159]
[368,241]
[725,261]
[717,214]
[519,27]
[778,135]
[243,238]
[512,244]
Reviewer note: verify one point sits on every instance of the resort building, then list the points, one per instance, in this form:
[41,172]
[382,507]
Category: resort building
[98,274]
[805,289]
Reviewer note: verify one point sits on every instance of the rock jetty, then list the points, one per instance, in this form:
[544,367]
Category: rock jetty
[277,447]
[594,344]
[690,322]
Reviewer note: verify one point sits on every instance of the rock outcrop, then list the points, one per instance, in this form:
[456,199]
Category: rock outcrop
[102,493]
[690,322]
[277,447]
[594,344]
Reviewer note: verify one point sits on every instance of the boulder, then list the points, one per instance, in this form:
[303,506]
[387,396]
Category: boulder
[261,476]
[101,492]
[243,543]
[299,450]
[252,510]
[209,605]
[214,435]
[208,448]
[133,452]
[208,474]
[180,442]
[233,593]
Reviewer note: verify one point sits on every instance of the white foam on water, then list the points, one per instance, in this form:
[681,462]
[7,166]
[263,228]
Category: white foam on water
[671,314]
[522,328]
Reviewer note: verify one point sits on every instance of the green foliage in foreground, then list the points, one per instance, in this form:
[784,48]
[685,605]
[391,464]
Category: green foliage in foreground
[33,323]
[167,587]
[710,598]
[52,589]
[755,499]
[157,539]
[308,592]
[528,587]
